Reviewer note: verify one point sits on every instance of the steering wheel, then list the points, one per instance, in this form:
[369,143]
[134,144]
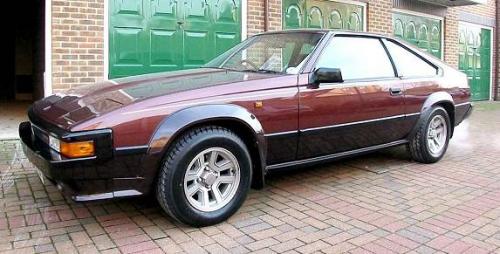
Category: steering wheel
[249,63]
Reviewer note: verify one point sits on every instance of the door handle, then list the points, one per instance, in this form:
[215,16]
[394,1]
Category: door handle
[395,91]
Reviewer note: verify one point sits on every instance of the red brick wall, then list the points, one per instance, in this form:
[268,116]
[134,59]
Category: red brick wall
[451,37]
[256,17]
[380,16]
[77,43]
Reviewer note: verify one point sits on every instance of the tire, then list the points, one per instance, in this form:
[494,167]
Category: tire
[428,150]
[195,191]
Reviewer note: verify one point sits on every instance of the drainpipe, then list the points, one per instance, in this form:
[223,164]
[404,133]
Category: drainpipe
[266,15]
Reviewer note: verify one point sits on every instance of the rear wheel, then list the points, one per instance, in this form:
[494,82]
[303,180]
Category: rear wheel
[430,142]
[205,176]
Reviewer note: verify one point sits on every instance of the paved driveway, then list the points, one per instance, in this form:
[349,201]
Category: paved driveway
[380,203]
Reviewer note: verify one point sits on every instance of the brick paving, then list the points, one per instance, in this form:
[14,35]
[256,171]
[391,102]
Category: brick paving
[380,203]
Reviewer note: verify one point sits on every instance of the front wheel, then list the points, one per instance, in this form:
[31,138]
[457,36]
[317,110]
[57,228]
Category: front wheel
[205,176]
[430,142]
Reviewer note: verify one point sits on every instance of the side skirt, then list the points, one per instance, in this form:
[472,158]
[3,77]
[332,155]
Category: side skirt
[336,156]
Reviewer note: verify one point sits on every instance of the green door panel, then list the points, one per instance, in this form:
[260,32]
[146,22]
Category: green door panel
[293,14]
[127,35]
[227,25]
[355,22]
[315,17]
[474,59]
[322,14]
[422,32]
[163,35]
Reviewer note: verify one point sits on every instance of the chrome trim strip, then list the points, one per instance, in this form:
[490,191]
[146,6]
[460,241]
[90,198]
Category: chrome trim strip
[107,195]
[413,114]
[335,155]
[353,123]
[126,193]
[125,150]
[281,133]
[82,198]
[341,125]
[462,104]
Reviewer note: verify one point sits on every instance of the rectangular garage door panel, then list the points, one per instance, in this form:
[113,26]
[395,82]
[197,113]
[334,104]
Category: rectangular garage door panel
[196,10]
[224,41]
[195,54]
[128,57]
[127,43]
[226,12]
[133,7]
[164,8]
[162,55]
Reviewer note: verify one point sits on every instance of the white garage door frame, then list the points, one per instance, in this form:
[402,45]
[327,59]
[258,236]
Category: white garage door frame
[47,74]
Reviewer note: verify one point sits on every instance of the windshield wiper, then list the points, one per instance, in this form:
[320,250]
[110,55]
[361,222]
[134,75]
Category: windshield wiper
[262,71]
[269,71]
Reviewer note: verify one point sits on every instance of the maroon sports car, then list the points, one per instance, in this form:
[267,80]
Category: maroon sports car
[199,139]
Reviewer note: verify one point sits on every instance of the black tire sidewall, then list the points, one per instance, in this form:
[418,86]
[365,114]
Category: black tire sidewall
[177,200]
[435,111]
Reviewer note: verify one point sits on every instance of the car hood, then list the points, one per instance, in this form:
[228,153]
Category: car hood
[84,103]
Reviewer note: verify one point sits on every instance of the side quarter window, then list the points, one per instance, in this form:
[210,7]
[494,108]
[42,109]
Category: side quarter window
[357,58]
[408,63]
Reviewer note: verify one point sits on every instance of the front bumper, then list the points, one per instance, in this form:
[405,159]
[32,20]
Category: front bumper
[99,177]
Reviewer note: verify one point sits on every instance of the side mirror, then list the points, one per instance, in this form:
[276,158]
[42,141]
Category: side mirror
[327,75]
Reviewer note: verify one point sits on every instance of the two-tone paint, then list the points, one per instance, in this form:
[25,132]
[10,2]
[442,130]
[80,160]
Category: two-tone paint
[285,120]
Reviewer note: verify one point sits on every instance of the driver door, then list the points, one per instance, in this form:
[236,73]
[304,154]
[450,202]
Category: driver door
[367,109]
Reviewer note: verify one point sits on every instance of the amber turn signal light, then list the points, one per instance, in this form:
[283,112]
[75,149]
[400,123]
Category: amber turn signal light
[77,149]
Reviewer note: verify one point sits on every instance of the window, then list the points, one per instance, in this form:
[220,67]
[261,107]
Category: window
[407,63]
[357,58]
[270,53]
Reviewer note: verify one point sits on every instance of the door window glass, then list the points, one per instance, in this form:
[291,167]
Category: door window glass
[407,63]
[357,58]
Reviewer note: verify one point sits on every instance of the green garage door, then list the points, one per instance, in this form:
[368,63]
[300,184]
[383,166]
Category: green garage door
[163,35]
[423,32]
[475,59]
[322,14]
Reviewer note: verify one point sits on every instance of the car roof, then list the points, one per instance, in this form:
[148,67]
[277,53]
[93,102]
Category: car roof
[333,31]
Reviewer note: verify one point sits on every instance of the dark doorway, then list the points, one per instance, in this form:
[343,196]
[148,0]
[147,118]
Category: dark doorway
[25,52]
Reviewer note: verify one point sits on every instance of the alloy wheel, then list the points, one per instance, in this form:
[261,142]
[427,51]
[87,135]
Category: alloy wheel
[212,179]
[436,135]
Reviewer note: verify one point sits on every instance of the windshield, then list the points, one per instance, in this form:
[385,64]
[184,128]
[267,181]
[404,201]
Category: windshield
[269,53]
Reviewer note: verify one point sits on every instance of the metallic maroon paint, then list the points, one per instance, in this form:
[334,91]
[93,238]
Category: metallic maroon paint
[297,122]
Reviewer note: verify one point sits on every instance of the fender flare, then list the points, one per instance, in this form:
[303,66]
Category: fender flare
[175,124]
[436,98]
